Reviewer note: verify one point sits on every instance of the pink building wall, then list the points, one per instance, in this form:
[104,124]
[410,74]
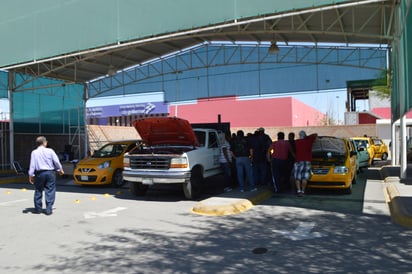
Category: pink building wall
[267,112]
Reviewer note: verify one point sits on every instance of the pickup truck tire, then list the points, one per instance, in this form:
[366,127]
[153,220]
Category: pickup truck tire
[117,179]
[194,187]
[138,189]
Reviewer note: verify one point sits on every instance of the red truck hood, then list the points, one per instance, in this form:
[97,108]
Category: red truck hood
[165,131]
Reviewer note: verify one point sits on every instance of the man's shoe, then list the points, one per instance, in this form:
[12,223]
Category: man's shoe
[48,213]
[253,190]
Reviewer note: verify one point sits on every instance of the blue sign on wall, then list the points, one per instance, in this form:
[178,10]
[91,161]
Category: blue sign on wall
[127,110]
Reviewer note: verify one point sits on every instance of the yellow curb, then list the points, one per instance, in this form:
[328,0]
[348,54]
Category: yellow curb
[215,207]
[399,214]
[220,206]
[18,179]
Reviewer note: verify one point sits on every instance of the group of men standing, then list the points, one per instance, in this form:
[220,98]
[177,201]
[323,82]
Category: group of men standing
[282,164]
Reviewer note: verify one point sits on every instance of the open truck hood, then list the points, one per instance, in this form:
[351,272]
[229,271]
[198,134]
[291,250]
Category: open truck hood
[165,131]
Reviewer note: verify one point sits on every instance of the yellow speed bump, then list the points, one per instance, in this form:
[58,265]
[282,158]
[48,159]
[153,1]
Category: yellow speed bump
[220,206]
[217,206]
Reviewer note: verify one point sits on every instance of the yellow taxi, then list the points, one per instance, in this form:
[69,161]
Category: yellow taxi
[365,143]
[105,166]
[380,149]
[334,164]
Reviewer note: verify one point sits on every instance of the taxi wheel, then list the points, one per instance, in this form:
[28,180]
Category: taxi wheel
[355,177]
[117,179]
[384,156]
[348,190]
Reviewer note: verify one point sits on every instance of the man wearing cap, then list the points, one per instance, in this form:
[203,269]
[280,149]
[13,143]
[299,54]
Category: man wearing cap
[303,165]
[43,164]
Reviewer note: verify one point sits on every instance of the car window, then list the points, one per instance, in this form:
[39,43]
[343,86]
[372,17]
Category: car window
[361,143]
[131,146]
[377,142]
[201,138]
[109,150]
[212,140]
[335,146]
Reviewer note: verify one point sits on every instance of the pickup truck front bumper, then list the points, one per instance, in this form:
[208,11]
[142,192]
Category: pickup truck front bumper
[156,177]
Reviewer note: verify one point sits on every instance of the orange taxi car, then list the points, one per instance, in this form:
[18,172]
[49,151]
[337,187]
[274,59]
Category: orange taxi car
[105,166]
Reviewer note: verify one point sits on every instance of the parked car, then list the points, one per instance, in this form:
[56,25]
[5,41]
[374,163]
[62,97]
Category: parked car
[380,149]
[366,143]
[105,166]
[334,163]
[362,156]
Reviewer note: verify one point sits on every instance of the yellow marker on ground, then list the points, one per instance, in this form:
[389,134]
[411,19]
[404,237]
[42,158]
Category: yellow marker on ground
[8,192]
[106,195]
[23,189]
[77,201]
[93,198]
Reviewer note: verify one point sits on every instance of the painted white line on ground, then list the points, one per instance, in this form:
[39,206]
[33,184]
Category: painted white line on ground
[302,232]
[107,213]
[12,202]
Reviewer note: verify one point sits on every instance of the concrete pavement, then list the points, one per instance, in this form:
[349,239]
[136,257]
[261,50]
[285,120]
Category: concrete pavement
[398,194]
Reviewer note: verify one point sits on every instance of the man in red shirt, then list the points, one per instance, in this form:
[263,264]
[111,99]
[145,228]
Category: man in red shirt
[303,161]
[278,154]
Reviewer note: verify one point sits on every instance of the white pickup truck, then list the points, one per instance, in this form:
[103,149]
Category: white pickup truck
[172,153]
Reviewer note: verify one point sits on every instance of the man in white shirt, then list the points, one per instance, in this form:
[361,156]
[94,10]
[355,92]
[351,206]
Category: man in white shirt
[44,164]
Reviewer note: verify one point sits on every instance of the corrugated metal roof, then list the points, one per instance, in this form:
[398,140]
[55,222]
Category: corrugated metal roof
[80,41]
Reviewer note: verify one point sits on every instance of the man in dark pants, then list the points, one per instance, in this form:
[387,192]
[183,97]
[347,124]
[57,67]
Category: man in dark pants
[42,174]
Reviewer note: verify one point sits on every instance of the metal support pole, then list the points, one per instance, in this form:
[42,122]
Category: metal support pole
[394,145]
[403,154]
[402,91]
[11,116]
[86,133]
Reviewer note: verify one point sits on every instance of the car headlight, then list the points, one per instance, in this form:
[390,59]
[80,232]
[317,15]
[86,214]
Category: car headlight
[180,162]
[340,170]
[103,165]
[126,162]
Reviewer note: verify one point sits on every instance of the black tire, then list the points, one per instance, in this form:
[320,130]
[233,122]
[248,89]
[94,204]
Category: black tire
[138,189]
[384,156]
[348,190]
[354,180]
[117,178]
[194,188]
